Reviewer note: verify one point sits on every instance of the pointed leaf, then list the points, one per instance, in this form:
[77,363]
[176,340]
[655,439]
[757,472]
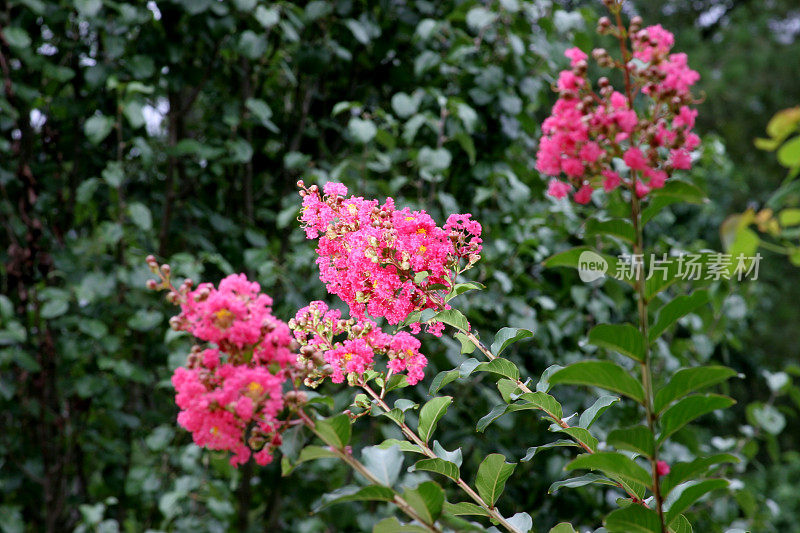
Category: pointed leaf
[637,439]
[442,379]
[563,527]
[580,481]
[538,400]
[614,465]
[675,310]
[521,522]
[691,408]
[404,446]
[579,434]
[622,338]
[690,495]
[464,509]
[439,466]
[499,366]
[687,380]
[533,450]
[454,457]
[508,336]
[492,475]
[453,317]
[603,374]
[393,525]
[369,493]
[496,412]
[430,414]
[598,408]
[507,388]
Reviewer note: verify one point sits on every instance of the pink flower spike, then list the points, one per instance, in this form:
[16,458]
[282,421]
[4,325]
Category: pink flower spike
[662,468]
[635,159]
[612,180]
[641,189]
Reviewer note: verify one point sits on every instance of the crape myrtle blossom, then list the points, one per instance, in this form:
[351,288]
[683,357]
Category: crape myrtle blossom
[385,261]
[231,391]
[346,349]
[589,131]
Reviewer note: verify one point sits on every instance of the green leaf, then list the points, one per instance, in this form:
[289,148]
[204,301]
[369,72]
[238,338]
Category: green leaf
[534,450]
[690,495]
[396,415]
[404,445]
[464,509]
[521,522]
[439,466]
[688,380]
[623,338]
[691,408]
[675,310]
[681,525]
[616,227]
[88,8]
[563,527]
[598,408]
[376,493]
[335,431]
[140,215]
[97,128]
[637,439]
[383,463]
[538,400]
[789,217]
[581,435]
[507,388]
[453,317]
[508,336]
[361,130]
[434,160]
[614,465]
[684,191]
[311,453]
[496,412]
[767,417]
[634,518]
[430,414]
[492,475]
[443,378]
[454,457]
[580,481]
[603,374]
[467,346]
[680,472]
[571,258]
[789,153]
[404,105]
[267,17]
[460,288]
[499,366]
[427,500]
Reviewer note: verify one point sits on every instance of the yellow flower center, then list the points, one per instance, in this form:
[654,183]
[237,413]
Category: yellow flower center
[347,357]
[223,319]
[422,231]
[214,430]
[255,388]
[422,249]
[409,218]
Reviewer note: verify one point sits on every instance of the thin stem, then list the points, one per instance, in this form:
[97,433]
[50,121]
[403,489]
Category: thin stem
[359,467]
[647,377]
[561,423]
[413,437]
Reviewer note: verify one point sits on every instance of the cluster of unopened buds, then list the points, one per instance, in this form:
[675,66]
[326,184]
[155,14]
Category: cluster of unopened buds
[346,349]
[598,139]
[230,393]
[383,261]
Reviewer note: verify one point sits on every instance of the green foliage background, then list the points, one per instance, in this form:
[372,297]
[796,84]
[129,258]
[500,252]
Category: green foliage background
[181,127]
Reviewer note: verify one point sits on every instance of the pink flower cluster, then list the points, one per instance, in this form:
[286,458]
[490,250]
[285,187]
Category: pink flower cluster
[230,395]
[238,318]
[219,401]
[383,261]
[316,328]
[589,131]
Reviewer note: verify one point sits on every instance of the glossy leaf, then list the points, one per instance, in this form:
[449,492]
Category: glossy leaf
[508,336]
[675,310]
[499,366]
[464,509]
[430,414]
[534,450]
[690,495]
[614,465]
[600,406]
[688,380]
[369,493]
[637,439]
[603,374]
[427,500]
[691,408]
[383,463]
[438,466]
[616,227]
[622,338]
[633,519]
[580,481]
[335,431]
[680,472]
[492,475]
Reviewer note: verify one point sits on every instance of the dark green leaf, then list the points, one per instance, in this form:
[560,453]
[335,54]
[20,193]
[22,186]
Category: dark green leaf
[634,518]
[622,338]
[383,463]
[499,366]
[335,431]
[589,416]
[688,380]
[580,481]
[508,336]
[427,500]
[691,408]
[614,465]
[430,414]
[680,472]
[690,495]
[675,310]
[534,450]
[616,227]
[603,374]
[637,439]
[464,509]
[368,493]
[492,475]
[438,466]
